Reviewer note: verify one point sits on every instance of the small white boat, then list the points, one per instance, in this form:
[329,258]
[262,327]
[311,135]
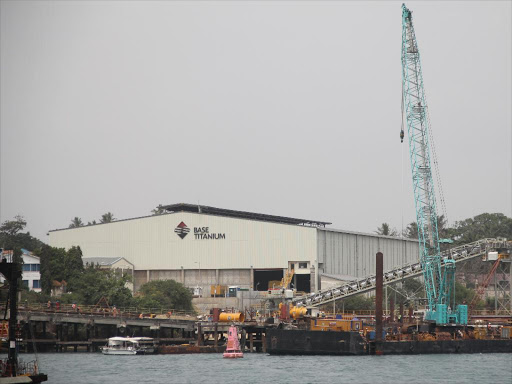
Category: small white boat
[147,344]
[125,346]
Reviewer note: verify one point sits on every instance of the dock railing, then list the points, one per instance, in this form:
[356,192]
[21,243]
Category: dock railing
[93,310]
[387,313]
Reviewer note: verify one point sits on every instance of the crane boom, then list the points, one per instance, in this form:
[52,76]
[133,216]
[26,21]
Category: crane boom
[438,285]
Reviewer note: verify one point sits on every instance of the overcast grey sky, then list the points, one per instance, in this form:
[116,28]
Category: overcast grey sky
[287,108]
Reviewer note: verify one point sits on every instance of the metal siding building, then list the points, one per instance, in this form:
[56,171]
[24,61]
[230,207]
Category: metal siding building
[203,246]
[353,253]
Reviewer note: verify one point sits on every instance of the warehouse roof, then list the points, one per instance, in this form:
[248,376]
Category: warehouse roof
[103,261]
[195,208]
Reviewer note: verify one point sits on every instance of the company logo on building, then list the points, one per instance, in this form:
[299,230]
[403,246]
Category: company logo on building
[203,233]
[200,233]
[182,230]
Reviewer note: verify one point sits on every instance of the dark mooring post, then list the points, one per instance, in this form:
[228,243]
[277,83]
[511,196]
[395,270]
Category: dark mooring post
[391,310]
[378,303]
[216,336]
[199,335]
[13,274]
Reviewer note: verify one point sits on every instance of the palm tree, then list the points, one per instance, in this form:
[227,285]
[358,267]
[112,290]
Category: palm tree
[76,222]
[107,218]
[158,210]
[385,230]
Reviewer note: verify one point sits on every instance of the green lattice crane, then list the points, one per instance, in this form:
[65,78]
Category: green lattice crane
[439,282]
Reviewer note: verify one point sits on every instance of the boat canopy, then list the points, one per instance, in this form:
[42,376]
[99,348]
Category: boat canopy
[122,341]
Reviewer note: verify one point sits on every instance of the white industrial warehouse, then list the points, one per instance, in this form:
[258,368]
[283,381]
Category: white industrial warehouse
[202,246]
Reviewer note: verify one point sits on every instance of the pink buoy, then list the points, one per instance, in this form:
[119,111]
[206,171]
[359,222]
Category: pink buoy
[233,348]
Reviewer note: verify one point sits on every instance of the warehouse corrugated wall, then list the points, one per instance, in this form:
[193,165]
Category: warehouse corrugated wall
[151,243]
[353,254]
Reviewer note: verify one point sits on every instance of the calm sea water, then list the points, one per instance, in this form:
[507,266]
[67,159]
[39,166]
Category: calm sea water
[89,368]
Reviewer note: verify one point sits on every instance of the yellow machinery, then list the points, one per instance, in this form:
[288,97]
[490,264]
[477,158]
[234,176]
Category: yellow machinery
[298,312]
[480,333]
[218,290]
[324,324]
[225,317]
[284,283]
[287,279]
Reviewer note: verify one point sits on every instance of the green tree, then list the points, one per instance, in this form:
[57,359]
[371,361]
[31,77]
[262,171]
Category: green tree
[158,210]
[59,264]
[95,283]
[76,222]
[442,228]
[411,231]
[11,236]
[385,230]
[408,290]
[73,266]
[482,226]
[464,295]
[12,227]
[107,218]
[165,294]
[91,223]
[53,261]
[45,258]
[358,302]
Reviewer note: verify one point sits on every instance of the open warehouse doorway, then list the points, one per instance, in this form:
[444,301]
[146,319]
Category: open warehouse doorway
[262,278]
[302,282]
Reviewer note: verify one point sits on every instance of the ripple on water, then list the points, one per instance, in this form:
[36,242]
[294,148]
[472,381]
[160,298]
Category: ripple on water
[89,368]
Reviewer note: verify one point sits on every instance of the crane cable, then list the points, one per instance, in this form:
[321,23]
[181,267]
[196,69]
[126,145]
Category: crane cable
[401,131]
[436,168]
[402,160]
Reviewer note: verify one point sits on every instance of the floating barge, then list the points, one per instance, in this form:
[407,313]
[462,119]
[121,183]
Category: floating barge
[302,342]
[307,342]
